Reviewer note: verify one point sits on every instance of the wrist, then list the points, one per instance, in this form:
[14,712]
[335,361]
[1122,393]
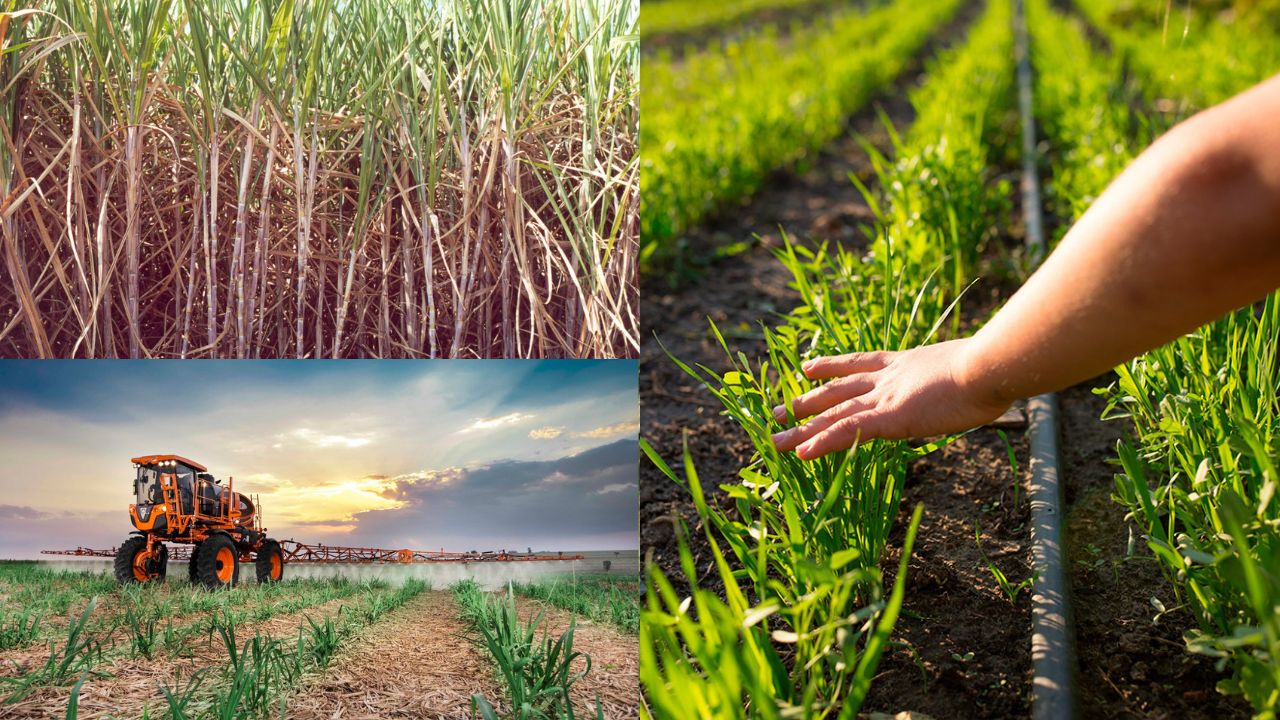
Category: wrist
[979,375]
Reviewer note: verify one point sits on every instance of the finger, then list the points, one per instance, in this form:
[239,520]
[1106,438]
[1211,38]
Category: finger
[789,439]
[827,396]
[838,365]
[841,436]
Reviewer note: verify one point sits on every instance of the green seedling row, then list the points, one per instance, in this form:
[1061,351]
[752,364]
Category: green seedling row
[1198,476]
[602,599]
[1083,108]
[536,668]
[261,671]
[682,16]
[716,123]
[804,617]
[1189,55]
[147,629]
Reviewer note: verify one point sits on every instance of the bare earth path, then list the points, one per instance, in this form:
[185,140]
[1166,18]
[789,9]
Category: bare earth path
[615,662]
[414,663]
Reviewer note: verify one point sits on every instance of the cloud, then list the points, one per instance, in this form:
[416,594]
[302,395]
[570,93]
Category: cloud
[631,426]
[323,440]
[546,433]
[491,423]
[572,502]
[21,512]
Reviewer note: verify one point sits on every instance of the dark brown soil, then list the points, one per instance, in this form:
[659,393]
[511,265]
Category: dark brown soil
[1130,666]
[962,649]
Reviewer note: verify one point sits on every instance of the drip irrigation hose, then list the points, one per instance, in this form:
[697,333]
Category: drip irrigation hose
[1052,636]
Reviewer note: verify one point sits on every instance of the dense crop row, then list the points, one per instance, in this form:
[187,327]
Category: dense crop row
[106,630]
[537,669]
[319,179]
[138,624]
[606,599]
[804,620]
[1198,476]
[260,671]
[1191,55]
[682,16]
[717,123]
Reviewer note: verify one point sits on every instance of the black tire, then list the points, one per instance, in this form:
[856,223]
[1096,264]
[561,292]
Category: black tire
[191,564]
[129,550]
[267,572]
[163,562]
[211,563]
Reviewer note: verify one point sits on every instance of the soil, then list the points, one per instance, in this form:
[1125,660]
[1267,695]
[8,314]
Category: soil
[614,678]
[126,686]
[961,648]
[416,662]
[1130,665]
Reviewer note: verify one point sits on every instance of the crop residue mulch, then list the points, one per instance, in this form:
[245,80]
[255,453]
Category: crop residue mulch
[131,684]
[615,661]
[1129,665]
[416,662]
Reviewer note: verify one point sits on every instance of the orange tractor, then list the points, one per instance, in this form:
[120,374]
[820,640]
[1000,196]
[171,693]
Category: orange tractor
[179,501]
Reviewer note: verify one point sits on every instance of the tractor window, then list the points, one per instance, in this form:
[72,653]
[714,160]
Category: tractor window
[148,485]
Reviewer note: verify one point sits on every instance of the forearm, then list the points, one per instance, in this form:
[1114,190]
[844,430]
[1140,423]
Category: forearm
[1189,232]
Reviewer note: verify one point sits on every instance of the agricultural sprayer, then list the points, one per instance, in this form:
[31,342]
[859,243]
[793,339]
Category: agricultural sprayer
[179,501]
[215,529]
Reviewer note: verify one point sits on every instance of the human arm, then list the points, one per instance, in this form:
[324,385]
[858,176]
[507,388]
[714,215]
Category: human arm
[1190,231]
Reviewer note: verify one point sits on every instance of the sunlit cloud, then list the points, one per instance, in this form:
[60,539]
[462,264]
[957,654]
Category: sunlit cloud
[325,440]
[546,433]
[615,488]
[328,502]
[491,423]
[626,426]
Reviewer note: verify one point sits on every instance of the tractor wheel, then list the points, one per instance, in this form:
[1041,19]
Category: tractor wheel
[217,563]
[130,568]
[270,562]
[191,564]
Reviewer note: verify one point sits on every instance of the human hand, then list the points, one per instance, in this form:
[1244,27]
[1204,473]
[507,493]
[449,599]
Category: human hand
[914,393]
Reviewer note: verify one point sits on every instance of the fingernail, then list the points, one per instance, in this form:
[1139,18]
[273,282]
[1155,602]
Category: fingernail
[780,437]
[780,413]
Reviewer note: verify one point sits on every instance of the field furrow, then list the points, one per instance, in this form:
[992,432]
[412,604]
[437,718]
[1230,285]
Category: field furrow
[416,662]
[720,123]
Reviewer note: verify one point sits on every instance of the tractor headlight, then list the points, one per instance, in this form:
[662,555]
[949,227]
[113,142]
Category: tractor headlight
[162,507]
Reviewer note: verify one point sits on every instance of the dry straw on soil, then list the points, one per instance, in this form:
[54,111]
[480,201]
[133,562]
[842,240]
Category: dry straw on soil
[319,178]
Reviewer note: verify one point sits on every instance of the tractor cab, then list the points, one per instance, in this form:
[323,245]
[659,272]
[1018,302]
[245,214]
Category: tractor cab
[154,475]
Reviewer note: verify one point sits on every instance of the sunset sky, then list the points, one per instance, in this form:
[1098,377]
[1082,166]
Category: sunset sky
[458,455]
